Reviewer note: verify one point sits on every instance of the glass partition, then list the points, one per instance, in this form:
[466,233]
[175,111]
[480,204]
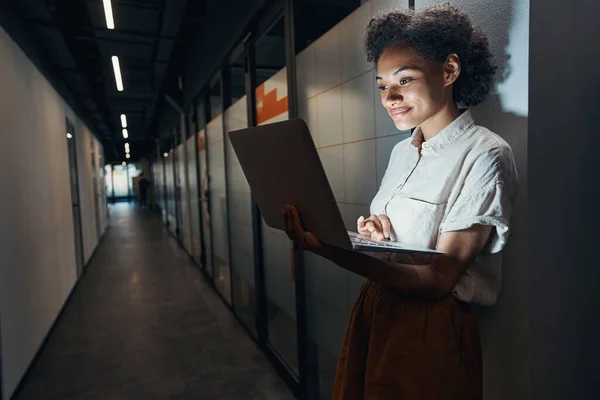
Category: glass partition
[240,201]
[217,195]
[272,106]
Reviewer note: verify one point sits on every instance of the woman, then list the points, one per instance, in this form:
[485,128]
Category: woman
[451,187]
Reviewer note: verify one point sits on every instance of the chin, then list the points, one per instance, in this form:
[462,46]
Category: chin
[405,125]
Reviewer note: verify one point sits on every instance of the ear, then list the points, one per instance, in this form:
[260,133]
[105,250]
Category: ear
[451,69]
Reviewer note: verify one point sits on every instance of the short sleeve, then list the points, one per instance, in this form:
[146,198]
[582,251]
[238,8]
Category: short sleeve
[490,205]
[486,196]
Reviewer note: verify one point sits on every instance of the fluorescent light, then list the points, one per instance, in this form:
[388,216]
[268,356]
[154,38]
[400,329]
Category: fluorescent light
[110,22]
[69,136]
[126,146]
[123,120]
[127,155]
[125,134]
[117,69]
[166,155]
[123,163]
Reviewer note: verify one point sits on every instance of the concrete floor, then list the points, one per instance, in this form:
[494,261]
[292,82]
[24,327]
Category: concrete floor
[143,324]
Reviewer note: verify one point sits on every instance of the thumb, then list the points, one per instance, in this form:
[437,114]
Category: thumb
[311,239]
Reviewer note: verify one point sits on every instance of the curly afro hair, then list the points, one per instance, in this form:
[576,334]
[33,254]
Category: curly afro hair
[435,32]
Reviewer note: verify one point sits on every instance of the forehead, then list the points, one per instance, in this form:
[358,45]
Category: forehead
[397,56]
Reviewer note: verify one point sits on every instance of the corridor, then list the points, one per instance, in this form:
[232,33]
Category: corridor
[144,324]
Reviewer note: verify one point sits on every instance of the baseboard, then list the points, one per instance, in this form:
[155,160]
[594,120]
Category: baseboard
[36,357]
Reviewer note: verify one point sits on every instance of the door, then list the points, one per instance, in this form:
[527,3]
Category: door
[97,181]
[75,199]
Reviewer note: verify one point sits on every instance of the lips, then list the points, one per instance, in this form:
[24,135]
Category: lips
[399,112]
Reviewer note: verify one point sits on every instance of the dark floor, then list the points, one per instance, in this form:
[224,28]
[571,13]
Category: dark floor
[143,324]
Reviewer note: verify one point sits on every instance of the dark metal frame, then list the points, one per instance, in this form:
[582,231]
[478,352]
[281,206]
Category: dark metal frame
[259,272]
[165,211]
[226,103]
[195,117]
[207,112]
[307,350]
[277,10]
[128,185]
[175,186]
[112,182]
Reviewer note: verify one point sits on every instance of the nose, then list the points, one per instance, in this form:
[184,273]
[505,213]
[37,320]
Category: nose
[393,97]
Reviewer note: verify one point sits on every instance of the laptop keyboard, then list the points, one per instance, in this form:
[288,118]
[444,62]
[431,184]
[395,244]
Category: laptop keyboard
[368,242]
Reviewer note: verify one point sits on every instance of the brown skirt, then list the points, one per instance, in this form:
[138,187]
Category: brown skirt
[408,349]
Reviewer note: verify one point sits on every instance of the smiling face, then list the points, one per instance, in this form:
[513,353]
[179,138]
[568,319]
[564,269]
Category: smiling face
[413,89]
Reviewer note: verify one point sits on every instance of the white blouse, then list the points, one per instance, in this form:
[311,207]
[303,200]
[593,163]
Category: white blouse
[465,175]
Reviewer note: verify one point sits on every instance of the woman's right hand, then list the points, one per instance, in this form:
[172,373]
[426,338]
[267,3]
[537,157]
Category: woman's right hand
[376,227]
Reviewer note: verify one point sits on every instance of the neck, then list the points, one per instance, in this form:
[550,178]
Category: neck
[433,125]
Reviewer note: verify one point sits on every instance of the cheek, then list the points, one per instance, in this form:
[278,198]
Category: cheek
[423,95]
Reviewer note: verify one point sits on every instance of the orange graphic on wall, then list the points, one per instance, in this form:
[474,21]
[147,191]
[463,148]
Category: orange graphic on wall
[267,105]
[201,142]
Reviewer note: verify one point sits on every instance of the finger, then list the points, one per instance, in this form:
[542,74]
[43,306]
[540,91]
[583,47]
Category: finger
[385,224]
[297,225]
[370,226]
[284,217]
[376,223]
[361,226]
[361,222]
[312,240]
[289,228]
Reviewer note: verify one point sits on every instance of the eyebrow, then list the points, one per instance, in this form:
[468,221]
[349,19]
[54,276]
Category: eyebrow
[400,70]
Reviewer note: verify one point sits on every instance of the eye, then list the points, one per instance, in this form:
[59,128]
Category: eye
[405,81]
[382,87]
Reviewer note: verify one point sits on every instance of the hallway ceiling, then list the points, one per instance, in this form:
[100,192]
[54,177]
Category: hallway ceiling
[155,40]
[150,39]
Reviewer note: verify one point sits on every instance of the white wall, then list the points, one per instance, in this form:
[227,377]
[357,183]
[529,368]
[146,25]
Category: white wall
[37,256]
[338,99]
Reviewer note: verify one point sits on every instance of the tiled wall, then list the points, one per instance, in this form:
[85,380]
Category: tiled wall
[354,135]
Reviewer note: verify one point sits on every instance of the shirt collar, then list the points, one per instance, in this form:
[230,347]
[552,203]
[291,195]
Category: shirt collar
[446,136]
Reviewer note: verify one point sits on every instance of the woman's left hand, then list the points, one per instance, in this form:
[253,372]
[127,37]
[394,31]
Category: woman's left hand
[295,230]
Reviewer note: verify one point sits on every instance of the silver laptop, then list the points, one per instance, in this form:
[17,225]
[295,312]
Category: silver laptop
[282,167]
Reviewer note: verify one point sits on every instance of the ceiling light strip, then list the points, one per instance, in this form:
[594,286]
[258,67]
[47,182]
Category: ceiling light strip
[108,13]
[117,69]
